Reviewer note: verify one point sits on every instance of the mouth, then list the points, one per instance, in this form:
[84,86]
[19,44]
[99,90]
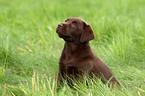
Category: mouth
[59,31]
[61,35]
[65,37]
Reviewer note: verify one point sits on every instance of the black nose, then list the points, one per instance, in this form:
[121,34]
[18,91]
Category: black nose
[60,25]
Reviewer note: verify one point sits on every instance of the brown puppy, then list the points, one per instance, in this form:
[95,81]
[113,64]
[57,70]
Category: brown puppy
[77,57]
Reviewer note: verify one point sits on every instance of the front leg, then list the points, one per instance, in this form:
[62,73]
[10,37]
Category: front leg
[60,75]
[59,78]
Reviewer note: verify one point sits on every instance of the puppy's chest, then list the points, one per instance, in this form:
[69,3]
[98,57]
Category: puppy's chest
[68,60]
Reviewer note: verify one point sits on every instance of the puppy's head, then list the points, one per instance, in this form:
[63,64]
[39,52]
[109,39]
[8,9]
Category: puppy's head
[75,30]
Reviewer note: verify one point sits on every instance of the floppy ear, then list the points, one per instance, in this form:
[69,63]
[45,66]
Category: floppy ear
[87,34]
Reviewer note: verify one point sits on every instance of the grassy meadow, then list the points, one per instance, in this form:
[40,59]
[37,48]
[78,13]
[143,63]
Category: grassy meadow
[30,48]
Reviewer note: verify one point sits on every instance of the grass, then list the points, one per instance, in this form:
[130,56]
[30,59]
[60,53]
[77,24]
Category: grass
[30,48]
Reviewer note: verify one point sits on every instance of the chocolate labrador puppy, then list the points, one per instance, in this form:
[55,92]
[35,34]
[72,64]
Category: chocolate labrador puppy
[77,57]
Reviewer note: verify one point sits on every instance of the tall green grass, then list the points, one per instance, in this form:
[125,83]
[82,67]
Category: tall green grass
[30,48]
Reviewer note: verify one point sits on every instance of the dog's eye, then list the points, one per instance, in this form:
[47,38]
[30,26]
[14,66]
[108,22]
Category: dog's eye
[74,24]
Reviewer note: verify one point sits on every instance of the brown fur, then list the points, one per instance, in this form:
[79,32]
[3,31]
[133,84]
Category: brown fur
[77,57]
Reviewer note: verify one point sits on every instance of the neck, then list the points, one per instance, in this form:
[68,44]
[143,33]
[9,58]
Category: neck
[71,46]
